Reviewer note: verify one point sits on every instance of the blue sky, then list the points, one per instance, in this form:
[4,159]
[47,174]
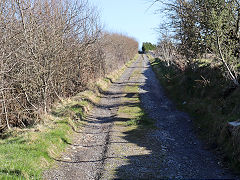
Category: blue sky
[135,18]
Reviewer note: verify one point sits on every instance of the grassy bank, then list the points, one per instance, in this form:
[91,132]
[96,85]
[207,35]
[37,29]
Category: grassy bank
[203,92]
[26,153]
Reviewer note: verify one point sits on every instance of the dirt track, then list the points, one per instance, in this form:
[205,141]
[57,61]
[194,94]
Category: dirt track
[105,151]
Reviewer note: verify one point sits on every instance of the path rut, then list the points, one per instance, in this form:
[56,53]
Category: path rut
[108,151]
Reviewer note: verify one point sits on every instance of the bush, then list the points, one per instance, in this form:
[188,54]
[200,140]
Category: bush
[49,50]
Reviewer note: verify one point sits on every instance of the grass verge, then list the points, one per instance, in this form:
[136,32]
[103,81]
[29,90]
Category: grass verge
[205,94]
[131,113]
[26,153]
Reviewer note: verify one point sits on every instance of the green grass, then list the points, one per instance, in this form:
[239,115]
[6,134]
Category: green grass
[134,114]
[26,153]
[200,92]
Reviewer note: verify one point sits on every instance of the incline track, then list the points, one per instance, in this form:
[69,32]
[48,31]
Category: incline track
[105,151]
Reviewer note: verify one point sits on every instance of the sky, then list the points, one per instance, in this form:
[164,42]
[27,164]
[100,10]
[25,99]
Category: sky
[135,18]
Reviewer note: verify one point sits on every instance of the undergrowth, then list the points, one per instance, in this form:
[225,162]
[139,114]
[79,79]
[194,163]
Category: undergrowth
[209,97]
[26,153]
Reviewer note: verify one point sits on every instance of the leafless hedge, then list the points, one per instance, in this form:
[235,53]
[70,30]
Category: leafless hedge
[51,49]
[118,49]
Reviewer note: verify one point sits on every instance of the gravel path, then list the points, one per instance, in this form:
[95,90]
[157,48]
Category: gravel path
[106,150]
[85,159]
